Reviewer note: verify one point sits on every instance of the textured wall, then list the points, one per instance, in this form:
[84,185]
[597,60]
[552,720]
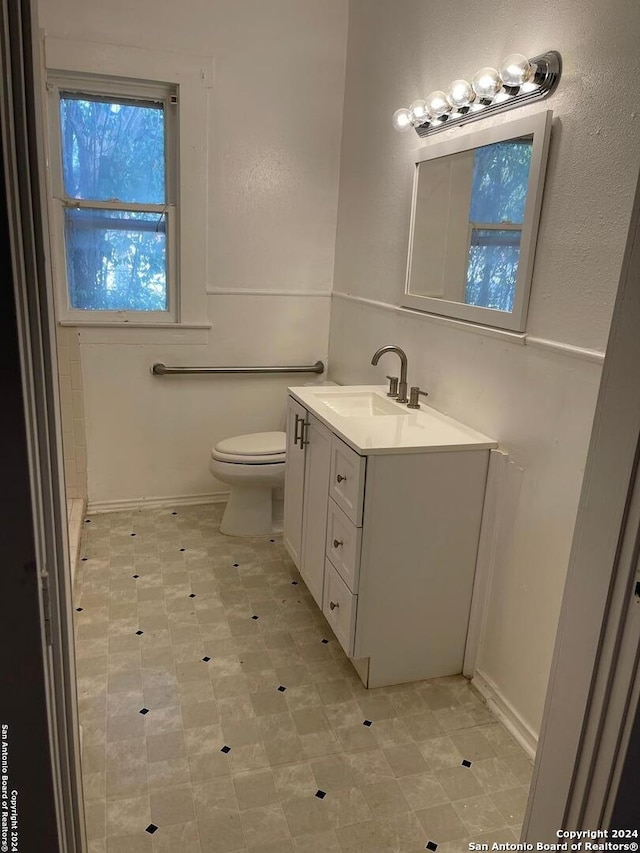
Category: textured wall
[275,118]
[150,436]
[537,404]
[399,51]
[274,126]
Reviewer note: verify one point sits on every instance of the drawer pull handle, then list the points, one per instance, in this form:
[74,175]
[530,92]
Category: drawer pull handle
[333,605]
[337,543]
[340,478]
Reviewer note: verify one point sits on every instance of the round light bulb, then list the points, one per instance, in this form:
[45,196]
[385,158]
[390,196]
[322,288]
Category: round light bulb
[515,70]
[460,94]
[487,83]
[418,110]
[402,120]
[437,104]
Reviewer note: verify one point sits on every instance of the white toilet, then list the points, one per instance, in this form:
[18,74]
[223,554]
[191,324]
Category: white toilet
[253,465]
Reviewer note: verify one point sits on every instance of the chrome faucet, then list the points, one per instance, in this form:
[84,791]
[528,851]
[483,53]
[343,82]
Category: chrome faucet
[402,385]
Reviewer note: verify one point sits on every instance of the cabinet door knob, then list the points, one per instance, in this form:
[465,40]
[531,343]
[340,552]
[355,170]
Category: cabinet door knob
[337,543]
[340,478]
[333,605]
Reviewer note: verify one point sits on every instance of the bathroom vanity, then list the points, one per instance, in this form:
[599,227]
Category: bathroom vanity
[383,507]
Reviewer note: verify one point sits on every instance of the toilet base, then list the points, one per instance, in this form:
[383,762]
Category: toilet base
[249,512]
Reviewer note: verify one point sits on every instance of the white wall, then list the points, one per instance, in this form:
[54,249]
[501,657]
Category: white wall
[72,413]
[275,113]
[537,402]
[150,437]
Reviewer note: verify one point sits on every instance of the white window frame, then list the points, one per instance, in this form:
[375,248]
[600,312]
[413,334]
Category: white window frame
[191,77]
[80,84]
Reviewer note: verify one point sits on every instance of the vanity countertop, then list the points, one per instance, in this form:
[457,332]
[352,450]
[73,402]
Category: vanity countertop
[374,424]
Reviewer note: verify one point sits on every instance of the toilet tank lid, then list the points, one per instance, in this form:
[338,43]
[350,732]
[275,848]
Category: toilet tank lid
[254,444]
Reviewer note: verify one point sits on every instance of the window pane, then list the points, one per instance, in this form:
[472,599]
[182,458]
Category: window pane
[500,179]
[116,260]
[112,150]
[493,268]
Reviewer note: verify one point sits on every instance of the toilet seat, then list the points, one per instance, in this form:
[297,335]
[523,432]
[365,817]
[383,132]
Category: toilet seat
[262,448]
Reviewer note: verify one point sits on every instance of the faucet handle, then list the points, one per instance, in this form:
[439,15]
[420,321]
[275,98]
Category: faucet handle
[414,395]
[393,386]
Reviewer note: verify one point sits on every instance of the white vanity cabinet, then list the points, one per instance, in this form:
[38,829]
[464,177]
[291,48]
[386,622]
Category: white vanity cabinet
[386,536]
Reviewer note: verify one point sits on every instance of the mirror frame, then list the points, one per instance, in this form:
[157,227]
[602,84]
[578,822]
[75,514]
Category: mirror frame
[538,125]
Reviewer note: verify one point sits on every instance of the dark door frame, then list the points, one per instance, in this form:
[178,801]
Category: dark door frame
[39,703]
[579,763]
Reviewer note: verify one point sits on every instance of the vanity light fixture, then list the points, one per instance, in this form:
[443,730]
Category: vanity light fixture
[518,81]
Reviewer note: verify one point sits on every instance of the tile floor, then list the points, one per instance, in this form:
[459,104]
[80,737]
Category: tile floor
[219,713]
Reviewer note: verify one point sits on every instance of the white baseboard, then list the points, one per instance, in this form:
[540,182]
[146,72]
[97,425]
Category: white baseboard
[156,503]
[506,713]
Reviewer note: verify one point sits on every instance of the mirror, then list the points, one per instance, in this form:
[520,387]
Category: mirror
[475,210]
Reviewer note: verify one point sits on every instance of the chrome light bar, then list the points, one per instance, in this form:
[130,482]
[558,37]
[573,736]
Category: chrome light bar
[519,81]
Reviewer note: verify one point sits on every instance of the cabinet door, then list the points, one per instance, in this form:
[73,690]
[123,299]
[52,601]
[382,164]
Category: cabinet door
[339,608]
[347,479]
[317,469]
[344,540]
[294,480]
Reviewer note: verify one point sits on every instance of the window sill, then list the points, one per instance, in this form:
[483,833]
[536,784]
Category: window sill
[84,324]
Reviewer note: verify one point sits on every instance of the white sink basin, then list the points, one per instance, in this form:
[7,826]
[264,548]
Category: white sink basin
[360,404]
[372,423]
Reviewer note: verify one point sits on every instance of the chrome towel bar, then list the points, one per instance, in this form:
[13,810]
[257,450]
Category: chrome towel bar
[160,369]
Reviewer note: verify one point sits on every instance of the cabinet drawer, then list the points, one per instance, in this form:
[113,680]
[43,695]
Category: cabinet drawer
[343,545]
[340,608]
[346,485]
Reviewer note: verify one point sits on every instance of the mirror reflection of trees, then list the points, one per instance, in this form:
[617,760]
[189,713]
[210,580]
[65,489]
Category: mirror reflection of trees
[114,152]
[496,214]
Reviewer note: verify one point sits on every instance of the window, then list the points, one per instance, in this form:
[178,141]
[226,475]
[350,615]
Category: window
[498,196]
[113,178]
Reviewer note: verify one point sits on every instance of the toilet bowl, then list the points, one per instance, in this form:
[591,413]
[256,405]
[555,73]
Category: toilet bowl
[253,466]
